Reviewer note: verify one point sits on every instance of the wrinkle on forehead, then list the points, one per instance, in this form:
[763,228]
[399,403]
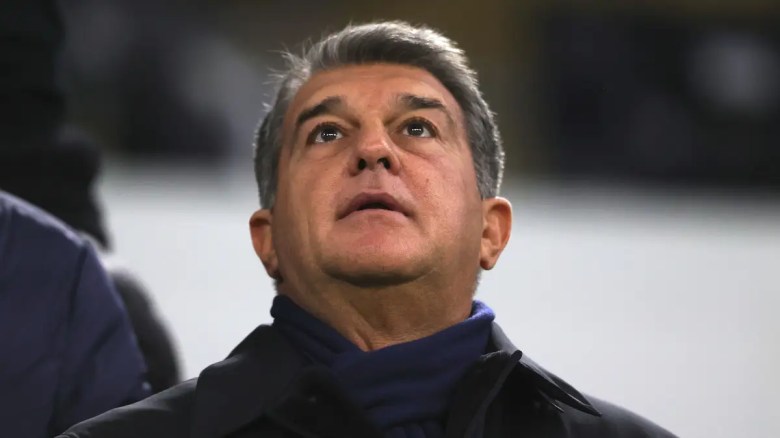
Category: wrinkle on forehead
[396,79]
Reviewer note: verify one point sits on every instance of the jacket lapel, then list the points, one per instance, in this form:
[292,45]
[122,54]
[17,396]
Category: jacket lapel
[552,387]
[232,393]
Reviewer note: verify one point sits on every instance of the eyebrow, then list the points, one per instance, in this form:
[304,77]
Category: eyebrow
[336,104]
[413,102]
[329,105]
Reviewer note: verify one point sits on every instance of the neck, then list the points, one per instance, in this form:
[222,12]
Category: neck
[379,317]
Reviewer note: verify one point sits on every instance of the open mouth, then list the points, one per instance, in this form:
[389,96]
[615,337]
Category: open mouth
[374,206]
[372,201]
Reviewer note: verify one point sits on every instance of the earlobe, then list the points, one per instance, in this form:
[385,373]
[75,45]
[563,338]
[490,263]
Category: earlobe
[262,241]
[497,227]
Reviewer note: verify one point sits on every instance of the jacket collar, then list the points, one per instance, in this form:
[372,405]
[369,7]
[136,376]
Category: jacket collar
[264,367]
[256,374]
[553,388]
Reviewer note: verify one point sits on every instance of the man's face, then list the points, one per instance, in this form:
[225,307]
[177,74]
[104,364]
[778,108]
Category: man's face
[376,180]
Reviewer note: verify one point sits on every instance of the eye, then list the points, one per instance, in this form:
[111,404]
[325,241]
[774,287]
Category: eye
[418,128]
[325,133]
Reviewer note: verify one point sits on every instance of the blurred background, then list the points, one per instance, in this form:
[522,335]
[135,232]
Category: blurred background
[643,164]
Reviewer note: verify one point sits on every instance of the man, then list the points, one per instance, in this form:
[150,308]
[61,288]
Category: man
[67,349]
[378,166]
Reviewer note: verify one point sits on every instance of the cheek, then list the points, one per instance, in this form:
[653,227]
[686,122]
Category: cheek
[291,210]
[307,196]
[298,185]
[449,190]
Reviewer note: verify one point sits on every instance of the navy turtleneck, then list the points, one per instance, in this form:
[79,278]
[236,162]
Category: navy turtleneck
[405,388]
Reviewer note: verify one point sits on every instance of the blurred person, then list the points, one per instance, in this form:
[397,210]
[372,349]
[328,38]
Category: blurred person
[68,350]
[378,167]
[54,167]
[125,57]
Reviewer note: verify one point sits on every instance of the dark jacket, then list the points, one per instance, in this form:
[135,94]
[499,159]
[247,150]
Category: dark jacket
[67,351]
[263,390]
[154,338]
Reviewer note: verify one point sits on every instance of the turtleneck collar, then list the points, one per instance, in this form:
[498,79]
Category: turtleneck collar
[405,388]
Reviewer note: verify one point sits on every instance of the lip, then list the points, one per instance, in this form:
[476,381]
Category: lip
[364,198]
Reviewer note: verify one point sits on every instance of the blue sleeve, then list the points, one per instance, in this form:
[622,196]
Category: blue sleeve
[102,367]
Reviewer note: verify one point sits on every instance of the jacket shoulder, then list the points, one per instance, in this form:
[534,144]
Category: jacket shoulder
[615,421]
[21,217]
[166,414]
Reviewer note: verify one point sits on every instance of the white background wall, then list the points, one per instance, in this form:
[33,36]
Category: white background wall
[664,302]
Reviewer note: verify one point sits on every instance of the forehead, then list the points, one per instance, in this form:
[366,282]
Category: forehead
[370,85]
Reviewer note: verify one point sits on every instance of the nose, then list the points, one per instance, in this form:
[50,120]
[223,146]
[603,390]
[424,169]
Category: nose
[374,152]
[384,161]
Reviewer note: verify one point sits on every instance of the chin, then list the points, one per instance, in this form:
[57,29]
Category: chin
[370,280]
[376,268]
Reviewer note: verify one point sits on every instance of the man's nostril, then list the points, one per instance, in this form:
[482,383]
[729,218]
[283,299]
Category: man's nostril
[362,164]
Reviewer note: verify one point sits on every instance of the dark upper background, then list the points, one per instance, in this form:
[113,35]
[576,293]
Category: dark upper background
[680,92]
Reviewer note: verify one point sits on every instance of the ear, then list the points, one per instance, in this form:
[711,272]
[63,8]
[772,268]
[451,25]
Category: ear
[262,241]
[496,228]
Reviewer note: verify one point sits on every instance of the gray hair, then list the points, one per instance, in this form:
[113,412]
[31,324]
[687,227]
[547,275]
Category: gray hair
[392,42]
